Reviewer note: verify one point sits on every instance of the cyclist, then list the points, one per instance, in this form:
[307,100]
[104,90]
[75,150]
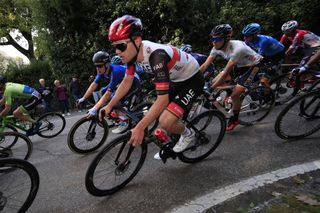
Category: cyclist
[115,73]
[14,90]
[199,57]
[309,41]
[177,79]
[314,59]
[241,61]
[271,49]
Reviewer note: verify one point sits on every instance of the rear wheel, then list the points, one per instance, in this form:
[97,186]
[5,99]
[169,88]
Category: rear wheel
[282,88]
[87,135]
[210,128]
[114,166]
[256,105]
[300,118]
[52,124]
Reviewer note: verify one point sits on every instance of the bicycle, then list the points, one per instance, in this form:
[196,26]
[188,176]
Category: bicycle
[19,184]
[51,125]
[15,144]
[119,162]
[300,118]
[88,134]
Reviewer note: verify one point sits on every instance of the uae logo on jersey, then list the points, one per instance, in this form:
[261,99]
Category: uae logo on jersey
[148,50]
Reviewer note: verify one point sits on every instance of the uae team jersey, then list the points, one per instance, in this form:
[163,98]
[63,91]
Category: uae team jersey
[302,38]
[238,52]
[167,63]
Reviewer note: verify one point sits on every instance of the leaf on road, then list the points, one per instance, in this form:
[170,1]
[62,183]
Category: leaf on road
[308,200]
[276,194]
[298,180]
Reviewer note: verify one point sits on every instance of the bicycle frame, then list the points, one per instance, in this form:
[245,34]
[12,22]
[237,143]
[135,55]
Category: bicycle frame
[11,120]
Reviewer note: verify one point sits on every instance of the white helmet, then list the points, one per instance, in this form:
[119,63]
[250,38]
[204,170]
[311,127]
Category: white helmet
[289,26]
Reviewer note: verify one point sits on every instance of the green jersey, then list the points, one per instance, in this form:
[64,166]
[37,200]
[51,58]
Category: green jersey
[14,90]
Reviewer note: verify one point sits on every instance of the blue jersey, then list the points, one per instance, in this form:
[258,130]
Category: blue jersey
[116,74]
[266,45]
[201,59]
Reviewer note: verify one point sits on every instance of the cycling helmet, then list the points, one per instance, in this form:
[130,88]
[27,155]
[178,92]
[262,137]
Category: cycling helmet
[125,27]
[116,60]
[3,80]
[186,48]
[101,57]
[289,26]
[251,29]
[223,30]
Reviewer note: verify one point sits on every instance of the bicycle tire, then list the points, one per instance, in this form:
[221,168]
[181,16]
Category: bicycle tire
[119,169]
[212,119]
[87,142]
[281,88]
[314,86]
[16,148]
[47,125]
[11,175]
[256,104]
[294,109]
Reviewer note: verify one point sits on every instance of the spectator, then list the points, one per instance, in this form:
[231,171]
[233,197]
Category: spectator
[62,96]
[75,91]
[46,94]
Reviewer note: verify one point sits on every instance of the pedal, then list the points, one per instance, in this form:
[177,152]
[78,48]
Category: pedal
[167,152]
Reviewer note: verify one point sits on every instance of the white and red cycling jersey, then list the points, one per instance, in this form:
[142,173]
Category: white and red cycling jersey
[302,38]
[167,63]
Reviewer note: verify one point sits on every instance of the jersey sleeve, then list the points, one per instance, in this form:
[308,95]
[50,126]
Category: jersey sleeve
[131,69]
[8,96]
[283,39]
[159,61]
[297,40]
[97,79]
[114,81]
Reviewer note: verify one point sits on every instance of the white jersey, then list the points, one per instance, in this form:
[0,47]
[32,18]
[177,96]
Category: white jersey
[160,58]
[238,52]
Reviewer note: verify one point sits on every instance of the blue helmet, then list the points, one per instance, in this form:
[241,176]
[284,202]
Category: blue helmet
[186,48]
[116,60]
[251,29]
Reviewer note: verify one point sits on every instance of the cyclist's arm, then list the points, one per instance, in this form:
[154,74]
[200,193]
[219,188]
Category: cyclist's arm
[103,99]
[225,73]
[2,101]
[207,63]
[314,59]
[93,86]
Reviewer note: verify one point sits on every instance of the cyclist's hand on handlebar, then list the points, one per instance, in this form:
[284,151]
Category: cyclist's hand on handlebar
[137,135]
[92,112]
[300,70]
[80,100]
[104,112]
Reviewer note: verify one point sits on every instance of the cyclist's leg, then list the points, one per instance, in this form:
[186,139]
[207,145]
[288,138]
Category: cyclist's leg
[22,112]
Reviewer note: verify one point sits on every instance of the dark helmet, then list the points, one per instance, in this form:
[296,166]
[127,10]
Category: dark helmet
[223,30]
[101,57]
[116,60]
[251,29]
[186,48]
[125,27]
[3,79]
[289,26]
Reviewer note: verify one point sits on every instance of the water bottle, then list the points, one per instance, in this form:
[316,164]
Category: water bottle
[161,135]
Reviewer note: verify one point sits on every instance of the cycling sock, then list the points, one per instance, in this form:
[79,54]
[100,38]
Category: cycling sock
[236,115]
[186,132]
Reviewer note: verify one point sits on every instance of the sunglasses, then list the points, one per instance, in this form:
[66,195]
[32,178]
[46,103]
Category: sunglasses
[216,39]
[122,46]
[99,65]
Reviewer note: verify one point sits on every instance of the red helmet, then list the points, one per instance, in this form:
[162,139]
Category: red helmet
[125,27]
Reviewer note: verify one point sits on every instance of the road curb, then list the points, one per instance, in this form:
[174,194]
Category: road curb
[220,195]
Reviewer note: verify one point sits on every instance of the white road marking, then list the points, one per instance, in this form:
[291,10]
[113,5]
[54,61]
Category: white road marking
[220,195]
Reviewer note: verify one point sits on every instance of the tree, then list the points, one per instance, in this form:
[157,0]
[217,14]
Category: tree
[16,25]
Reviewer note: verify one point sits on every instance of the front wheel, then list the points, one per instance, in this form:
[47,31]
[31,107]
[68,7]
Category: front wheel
[256,105]
[15,145]
[87,135]
[300,118]
[19,182]
[114,166]
[52,124]
[210,127]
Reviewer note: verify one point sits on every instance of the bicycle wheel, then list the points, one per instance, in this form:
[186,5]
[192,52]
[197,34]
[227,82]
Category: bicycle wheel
[256,105]
[282,89]
[19,184]
[115,166]
[300,118]
[52,124]
[15,144]
[212,127]
[314,86]
[87,135]
[144,108]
